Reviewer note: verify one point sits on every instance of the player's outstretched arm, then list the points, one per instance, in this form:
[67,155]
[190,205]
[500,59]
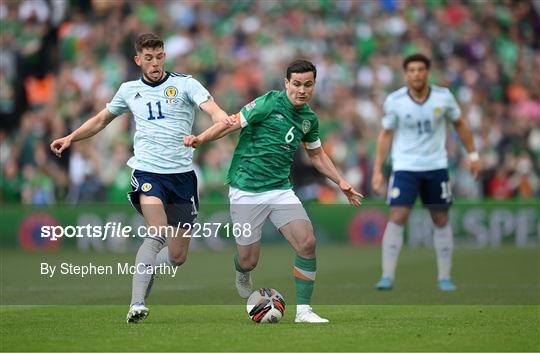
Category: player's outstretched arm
[384,141]
[465,134]
[211,108]
[216,131]
[323,164]
[89,128]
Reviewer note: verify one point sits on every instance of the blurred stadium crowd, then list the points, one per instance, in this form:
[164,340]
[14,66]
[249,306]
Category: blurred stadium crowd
[61,61]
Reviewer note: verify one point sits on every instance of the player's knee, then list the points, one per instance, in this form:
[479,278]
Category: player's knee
[178,260]
[306,248]
[248,262]
[440,220]
[399,219]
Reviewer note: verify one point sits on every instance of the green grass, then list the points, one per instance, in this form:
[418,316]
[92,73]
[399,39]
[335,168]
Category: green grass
[222,328]
[497,307]
[345,275]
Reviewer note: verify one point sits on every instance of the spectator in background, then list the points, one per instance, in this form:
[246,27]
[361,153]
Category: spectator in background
[53,53]
[11,183]
[213,173]
[115,176]
[84,182]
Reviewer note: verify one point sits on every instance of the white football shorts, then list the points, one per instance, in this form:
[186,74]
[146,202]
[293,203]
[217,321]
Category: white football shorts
[247,208]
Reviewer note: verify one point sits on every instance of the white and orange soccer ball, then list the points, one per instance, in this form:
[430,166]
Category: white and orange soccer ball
[265,305]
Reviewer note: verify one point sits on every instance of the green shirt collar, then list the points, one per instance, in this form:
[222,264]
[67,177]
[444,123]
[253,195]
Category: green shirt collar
[289,104]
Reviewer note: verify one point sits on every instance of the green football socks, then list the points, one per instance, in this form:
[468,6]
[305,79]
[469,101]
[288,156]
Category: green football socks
[304,276]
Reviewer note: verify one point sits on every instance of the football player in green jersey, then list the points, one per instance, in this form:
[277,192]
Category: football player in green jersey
[273,126]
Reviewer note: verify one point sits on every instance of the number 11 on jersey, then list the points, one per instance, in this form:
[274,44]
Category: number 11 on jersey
[151,116]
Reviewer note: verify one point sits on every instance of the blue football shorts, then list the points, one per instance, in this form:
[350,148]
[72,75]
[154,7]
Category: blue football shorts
[177,191]
[432,186]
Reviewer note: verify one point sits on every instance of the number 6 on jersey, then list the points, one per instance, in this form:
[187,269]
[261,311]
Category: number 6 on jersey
[289,137]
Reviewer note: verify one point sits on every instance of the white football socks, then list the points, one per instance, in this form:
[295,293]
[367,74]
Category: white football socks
[391,246]
[443,240]
[147,256]
[163,257]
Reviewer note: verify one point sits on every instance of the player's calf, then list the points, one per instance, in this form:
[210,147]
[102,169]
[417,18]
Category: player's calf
[177,261]
[245,263]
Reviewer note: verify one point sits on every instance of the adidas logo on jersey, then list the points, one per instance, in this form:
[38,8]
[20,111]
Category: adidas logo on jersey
[138,95]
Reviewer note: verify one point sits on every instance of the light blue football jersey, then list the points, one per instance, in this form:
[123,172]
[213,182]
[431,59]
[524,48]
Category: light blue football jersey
[419,128]
[163,113]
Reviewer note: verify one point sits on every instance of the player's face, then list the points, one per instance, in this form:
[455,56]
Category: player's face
[300,87]
[416,75]
[151,61]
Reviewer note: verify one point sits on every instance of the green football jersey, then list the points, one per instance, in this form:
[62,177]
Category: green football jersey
[272,129]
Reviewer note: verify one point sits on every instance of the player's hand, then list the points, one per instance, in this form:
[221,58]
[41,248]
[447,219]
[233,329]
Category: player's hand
[475,167]
[60,145]
[352,195]
[192,141]
[230,120]
[377,183]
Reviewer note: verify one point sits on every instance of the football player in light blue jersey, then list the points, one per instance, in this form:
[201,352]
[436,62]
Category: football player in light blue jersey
[414,125]
[163,182]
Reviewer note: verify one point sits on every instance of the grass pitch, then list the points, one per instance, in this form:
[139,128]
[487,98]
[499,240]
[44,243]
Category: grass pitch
[220,328]
[495,309]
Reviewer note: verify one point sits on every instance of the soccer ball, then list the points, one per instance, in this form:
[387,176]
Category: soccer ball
[265,306]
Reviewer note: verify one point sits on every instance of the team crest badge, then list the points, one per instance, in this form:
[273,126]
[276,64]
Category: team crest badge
[395,192]
[437,111]
[146,187]
[171,92]
[306,125]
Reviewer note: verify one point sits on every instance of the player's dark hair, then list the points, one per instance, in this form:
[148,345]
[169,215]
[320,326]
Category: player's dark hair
[301,66]
[416,57]
[148,40]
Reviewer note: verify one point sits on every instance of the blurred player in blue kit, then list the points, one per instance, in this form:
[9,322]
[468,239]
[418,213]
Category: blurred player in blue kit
[414,126]
[163,181]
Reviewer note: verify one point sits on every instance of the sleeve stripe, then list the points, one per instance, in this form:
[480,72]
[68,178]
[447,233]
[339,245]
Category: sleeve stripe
[202,97]
[243,121]
[314,144]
